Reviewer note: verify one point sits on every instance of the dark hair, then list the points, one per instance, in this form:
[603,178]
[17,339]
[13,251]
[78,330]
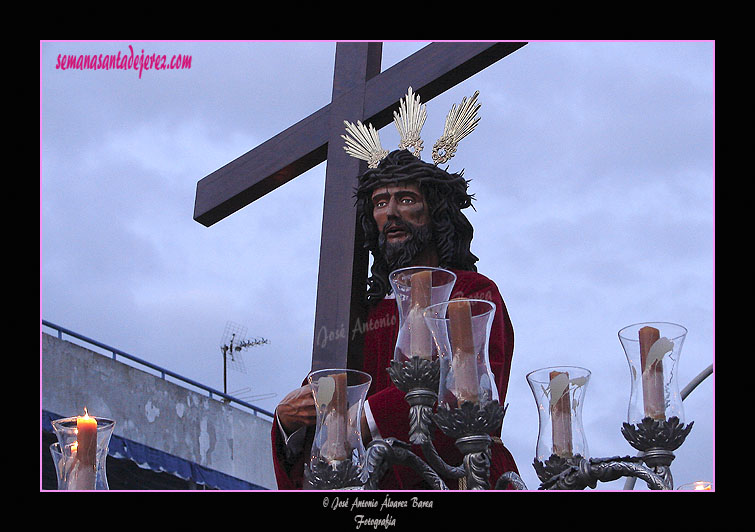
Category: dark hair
[446,195]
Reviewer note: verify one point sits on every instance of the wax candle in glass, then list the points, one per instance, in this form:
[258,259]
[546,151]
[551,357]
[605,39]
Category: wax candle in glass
[80,454]
[416,288]
[461,332]
[559,393]
[337,455]
[652,350]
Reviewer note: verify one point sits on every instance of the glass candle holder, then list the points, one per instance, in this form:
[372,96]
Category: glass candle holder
[80,454]
[416,288]
[559,393]
[653,350]
[337,457]
[461,334]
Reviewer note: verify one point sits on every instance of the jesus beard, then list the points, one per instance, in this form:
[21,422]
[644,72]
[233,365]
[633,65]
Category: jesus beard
[402,254]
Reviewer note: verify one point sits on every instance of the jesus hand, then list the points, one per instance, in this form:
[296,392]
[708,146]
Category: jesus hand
[297,409]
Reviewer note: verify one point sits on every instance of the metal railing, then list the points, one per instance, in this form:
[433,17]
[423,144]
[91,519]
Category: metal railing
[163,372]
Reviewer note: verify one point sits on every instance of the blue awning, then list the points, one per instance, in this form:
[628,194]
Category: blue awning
[150,458]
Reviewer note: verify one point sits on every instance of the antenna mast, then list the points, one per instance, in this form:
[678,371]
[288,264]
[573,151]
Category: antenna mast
[231,344]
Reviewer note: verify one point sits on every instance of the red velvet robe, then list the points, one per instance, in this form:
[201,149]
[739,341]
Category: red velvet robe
[387,404]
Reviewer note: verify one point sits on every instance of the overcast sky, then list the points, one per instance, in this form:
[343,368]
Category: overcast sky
[593,169]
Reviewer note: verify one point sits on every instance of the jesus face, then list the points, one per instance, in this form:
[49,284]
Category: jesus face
[403,220]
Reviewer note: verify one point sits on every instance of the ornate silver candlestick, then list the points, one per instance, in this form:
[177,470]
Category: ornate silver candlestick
[337,458]
[468,406]
[656,440]
[655,424]
[460,380]
[418,379]
[469,424]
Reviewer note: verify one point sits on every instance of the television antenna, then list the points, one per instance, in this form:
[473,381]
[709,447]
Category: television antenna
[231,345]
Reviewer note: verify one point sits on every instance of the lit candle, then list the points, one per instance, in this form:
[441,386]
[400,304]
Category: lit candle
[86,439]
[699,485]
[86,451]
[420,341]
[652,349]
[464,360]
[560,405]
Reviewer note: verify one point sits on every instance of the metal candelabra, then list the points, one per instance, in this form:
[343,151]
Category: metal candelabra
[655,439]
[448,386]
[470,425]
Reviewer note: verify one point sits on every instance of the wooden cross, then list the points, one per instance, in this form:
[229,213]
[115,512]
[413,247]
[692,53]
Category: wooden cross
[360,92]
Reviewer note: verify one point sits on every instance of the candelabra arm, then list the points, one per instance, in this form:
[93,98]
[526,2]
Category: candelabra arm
[583,473]
[593,471]
[477,465]
[376,462]
[664,472]
[383,453]
[438,464]
[512,478]
[704,374]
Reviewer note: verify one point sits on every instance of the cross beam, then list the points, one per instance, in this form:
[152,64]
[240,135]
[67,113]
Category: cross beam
[360,92]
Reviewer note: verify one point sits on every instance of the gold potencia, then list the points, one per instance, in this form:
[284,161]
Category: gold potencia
[363,142]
